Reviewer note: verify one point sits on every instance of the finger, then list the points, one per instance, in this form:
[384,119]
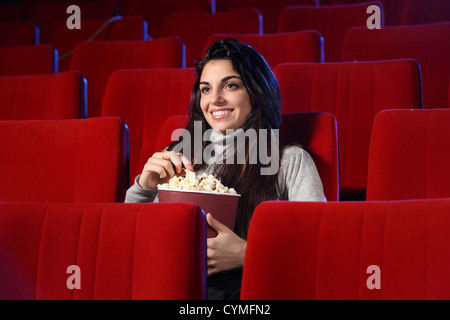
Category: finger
[186,162]
[162,167]
[215,224]
[177,159]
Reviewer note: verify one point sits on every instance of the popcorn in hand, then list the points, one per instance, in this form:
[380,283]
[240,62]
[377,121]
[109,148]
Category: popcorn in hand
[190,182]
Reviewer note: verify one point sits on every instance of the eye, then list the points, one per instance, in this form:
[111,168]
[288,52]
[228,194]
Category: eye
[231,86]
[204,90]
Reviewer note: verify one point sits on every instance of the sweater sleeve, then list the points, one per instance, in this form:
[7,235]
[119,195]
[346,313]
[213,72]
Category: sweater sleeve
[137,194]
[299,179]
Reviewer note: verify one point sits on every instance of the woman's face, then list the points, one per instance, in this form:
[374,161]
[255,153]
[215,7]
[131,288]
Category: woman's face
[224,101]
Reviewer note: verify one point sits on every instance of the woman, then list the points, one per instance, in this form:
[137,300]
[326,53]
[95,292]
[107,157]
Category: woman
[235,91]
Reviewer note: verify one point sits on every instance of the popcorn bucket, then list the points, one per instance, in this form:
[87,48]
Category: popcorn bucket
[222,206]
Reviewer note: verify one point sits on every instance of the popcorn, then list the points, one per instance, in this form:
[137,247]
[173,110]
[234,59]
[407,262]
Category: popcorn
[190,182]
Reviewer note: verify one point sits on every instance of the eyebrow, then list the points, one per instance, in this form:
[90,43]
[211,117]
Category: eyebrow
[223,79]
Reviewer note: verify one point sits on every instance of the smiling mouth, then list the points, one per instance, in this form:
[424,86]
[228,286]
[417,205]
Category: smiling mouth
[219,114]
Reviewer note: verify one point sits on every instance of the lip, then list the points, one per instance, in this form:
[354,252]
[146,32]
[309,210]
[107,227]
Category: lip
[221,115]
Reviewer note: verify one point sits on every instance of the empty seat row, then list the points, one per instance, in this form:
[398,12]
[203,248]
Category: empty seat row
[87,160]
[425,43]
[354,92]
[337,250]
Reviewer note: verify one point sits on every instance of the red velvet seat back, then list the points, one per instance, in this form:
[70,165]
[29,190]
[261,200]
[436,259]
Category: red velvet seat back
[145,99]
[81,160]
[43,97]
[18,33]
[123,251]
[64,39]
[393,9]
[428,44]
[269,9]
[354,93]
[44,13]
[425,11]
[410,155]
[98,59]
[30,59]
[298,250]
[331,21]
[154,12]
[317,133]
[195,28]
[276,48]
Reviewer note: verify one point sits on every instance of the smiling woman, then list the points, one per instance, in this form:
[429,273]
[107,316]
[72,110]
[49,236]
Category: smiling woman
[235,96]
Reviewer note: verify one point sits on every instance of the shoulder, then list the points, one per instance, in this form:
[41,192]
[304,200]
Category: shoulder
[294,153]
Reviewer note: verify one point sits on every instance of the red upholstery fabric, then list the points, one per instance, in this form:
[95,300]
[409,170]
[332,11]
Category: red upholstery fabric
[10,12]
[81,160]
[45,13]
[31,59]
[300,46]
[393,9]
[428,44]
[317,133]
[20,33]
[354,93]
[64,39]
[167,130]
[43,97]
[154,12]
[331,21]
[124,251]
[319,250]
[410,155]
[270,9]
[145,99]
[425,11]
[195,28]
[96,60]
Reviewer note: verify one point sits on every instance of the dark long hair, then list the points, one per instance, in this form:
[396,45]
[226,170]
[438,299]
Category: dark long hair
[265,98]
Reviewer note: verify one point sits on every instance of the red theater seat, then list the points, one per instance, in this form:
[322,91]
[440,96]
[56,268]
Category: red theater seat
[154,12]
[316,132]
[393,9]
[117,28]
[270,9]
[81,160]
[283,47]
[145,99]
[354,92]
[331,21]
[31,59]
[20,33]
[425,11]
[122,251]
[428,44]
[10,12]
[344,250]
[195,28]
[410,155]
[96,60]
[46,12]
[43,97]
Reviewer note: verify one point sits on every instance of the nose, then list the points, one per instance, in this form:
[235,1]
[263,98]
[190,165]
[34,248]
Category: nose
[217,98]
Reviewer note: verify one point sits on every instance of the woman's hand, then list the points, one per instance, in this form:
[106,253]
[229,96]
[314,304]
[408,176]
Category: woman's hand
[161,167]
[226,251]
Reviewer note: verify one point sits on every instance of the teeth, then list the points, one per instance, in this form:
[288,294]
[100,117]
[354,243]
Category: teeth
[220,113]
